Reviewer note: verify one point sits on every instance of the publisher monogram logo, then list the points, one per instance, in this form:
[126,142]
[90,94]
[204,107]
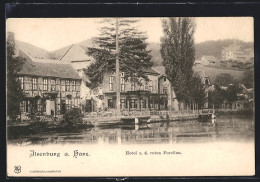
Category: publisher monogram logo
[17,169]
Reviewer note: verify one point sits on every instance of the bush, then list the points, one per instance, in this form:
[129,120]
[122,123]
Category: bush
[73,116]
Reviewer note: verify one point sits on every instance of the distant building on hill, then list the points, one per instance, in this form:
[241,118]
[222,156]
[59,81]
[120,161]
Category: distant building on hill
[209,60]
[235,52]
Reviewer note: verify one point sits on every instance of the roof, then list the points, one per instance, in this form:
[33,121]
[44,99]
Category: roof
[30,49]
[46,68]
[75,53]
[150,71]
[160,70]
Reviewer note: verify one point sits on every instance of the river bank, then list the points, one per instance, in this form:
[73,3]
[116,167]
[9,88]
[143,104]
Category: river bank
[16,130]
[162,131]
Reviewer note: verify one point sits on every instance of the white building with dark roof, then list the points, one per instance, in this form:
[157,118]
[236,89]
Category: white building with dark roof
[236,52]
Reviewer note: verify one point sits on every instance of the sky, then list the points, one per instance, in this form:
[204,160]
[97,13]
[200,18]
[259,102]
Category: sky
[54,33]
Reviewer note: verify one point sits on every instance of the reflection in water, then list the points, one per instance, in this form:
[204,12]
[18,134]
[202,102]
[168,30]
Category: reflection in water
[225,128]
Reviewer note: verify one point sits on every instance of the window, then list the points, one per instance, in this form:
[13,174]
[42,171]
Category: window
[78,88]
[111,83]
[122,81]
[68,104]
[165,90]
[123,104]
[44,106]
[110,103]
[146,87]
[22,106]
[151,104]
[142,87]
[21,82]
[144,103]
[164,79]
[151,88]
[45,84]
[53,84]
[67,85]
[133,103]
[73,85]
[133,86]
[39,105]
[34,83]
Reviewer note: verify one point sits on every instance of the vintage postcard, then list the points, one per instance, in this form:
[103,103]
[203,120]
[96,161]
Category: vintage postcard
[100,97]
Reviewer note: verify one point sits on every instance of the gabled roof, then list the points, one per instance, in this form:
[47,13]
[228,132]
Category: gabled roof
[30,49]
[160,69]
[46,68]
[150,71]
[75,53]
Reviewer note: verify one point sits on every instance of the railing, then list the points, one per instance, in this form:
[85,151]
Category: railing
[114,114]
[39,118]
[232,109]
[146,113]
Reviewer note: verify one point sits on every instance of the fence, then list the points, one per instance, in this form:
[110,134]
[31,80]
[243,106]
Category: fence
[145,113]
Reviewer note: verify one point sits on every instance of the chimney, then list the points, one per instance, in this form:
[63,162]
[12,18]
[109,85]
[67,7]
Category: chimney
[10,38]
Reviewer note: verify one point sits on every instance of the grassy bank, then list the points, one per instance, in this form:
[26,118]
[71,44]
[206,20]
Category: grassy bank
[15,130]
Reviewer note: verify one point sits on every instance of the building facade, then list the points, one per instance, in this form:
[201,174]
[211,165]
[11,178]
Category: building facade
[50,87]
[141,95]
[235,52]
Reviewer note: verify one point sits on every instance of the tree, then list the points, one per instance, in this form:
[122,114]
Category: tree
[216,97]
[248,78]
[219,94]
[196,91]
[232,91]
[134,58]
[224,80]
[178,53]
[14,92]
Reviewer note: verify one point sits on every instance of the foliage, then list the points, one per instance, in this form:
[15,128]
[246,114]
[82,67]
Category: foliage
[248,78]
[224,80]
[178,53]
[196,90]
[72,117]
[216,97]
[219,94]
[232,91]
[14,92]
[226,88]
[134,57]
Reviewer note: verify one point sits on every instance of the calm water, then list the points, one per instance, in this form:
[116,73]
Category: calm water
[226,128]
